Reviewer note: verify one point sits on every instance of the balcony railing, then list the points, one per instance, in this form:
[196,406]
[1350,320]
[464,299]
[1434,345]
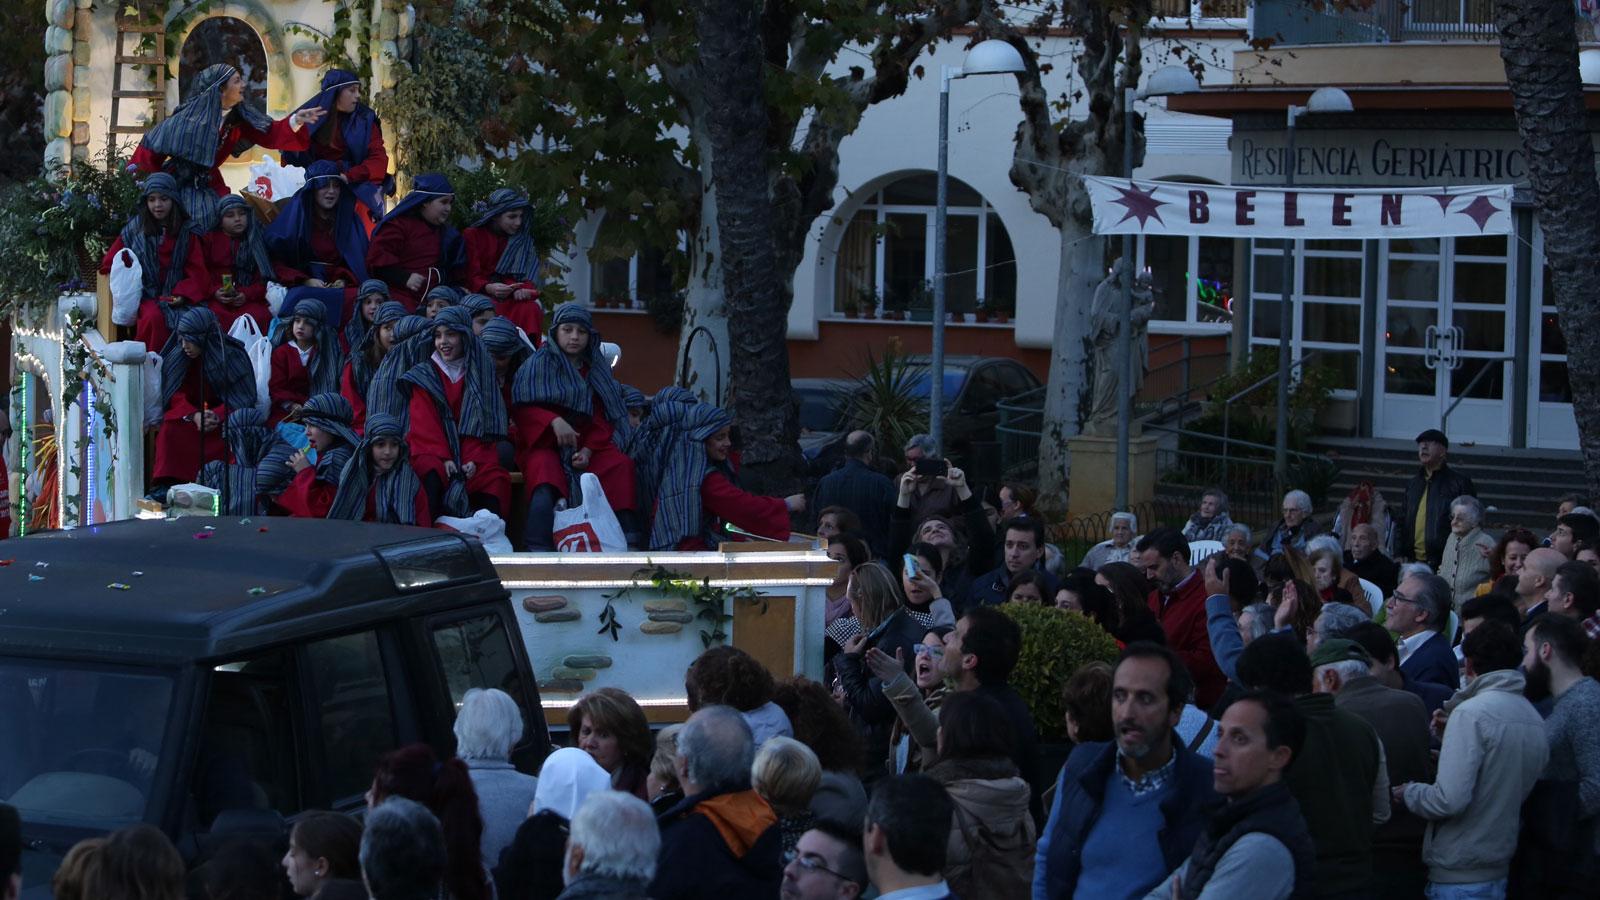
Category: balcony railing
[1201,9]
[1296,22]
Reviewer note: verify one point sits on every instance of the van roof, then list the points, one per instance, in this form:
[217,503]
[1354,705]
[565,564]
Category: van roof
[201,587]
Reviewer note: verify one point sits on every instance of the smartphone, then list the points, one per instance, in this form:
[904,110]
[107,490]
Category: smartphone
[911,566]
[932,468]
[227,284]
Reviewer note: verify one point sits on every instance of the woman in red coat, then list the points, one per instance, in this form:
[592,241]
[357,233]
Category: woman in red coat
[306,361]
[350,138]
[456,417]
[237,267]
[310,494]
[204,374]
[503,263]
[208,127]
[163,240]
[414,248]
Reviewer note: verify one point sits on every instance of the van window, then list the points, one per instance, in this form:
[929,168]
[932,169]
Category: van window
[249,755]
[354,707]
[476,653]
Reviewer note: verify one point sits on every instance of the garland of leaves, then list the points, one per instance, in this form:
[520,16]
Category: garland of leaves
[90,366]
[713,602]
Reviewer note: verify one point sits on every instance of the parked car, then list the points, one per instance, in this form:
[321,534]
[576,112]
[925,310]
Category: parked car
[973,385]
[217,677]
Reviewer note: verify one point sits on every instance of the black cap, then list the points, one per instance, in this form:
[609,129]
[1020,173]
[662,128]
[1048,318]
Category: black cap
[1433,434]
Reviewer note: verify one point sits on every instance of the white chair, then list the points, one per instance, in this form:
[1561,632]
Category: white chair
[1375,596]
[1199,550]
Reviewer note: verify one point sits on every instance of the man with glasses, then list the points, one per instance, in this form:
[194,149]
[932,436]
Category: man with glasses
[1414,613]
[826,864]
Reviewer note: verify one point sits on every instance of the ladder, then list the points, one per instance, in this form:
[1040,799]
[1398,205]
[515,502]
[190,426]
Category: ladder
[133,58]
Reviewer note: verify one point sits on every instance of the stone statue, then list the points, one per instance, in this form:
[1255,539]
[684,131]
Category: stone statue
[1104,327]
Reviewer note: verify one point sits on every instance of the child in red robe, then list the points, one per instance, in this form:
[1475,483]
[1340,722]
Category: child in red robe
[350,138]
[237,265]
[414,248]
[204,374]
[326,418]
[379,485]
[212,123]
[305,363]
[571,418]
[171,263]
[503,262]
[456,418]
[364,358]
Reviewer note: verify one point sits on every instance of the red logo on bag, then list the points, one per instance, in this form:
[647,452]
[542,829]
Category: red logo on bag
[579,538]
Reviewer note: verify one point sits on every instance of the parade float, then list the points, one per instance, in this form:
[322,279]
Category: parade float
[77,443]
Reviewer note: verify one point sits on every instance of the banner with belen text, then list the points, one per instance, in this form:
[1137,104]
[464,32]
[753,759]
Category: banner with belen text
[1163,207]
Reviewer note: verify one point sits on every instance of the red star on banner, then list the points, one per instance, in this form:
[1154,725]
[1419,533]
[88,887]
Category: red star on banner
[1140,204]
[1479,211]
[1444,201]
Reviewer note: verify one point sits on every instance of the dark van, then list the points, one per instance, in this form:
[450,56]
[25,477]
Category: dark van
[215,676]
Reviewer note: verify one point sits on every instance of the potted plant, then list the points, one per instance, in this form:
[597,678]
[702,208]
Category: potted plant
[981,314]
[1055,644]
[55,228]
[883,401]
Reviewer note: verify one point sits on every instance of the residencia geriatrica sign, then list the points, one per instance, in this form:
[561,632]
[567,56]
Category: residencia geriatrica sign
[1163,207]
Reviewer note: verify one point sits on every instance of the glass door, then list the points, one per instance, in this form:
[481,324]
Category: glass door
[1550,420]
[1445,346]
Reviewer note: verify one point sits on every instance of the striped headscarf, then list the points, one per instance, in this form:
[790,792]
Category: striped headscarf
[520,259]
[228,375]
[413,343]
[248,438]
[679,468]
[355,127]
[452,249]
[483,410]
[549,378]
[274,473]
[394,493]
[358,326]
[330,412]
[502,338]
[441,292]
[477,303]
[633,398]
[250,262]
[361,365]
[146,246]
[646,443]
[289,235]
[328,361]
[191,136]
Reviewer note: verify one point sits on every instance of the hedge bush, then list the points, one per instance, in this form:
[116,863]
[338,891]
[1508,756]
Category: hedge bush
[1055,643]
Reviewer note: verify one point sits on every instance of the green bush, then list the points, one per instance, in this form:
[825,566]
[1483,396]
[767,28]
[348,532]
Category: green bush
[1055,643]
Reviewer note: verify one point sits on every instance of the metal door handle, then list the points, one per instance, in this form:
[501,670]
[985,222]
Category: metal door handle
[1430,346]
[1457,337]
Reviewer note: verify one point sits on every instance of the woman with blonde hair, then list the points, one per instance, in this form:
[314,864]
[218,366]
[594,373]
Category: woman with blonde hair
[77,867]
[786,774]
[610,726]
[884,623]
[662,783]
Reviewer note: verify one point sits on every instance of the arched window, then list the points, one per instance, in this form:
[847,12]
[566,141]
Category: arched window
[624,266]
[224,39]
[885,258]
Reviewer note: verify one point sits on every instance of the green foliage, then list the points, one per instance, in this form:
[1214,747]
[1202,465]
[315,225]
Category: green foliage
[336,46]
[52,225]
[549,222]
[884,401]
[437,109]
[1253,417]
[1055,644]
[713,602]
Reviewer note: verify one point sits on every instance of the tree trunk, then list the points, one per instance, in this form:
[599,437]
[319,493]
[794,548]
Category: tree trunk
[762,398]
[1539,46]
[703,350]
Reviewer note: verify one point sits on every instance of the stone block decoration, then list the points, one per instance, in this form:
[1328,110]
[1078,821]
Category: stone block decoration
[543,604]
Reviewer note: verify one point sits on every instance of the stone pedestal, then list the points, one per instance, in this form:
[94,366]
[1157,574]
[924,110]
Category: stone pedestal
[1093,486]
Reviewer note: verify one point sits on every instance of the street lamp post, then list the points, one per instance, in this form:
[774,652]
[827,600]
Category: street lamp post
[1163,82]
[990,57]
[1321,100]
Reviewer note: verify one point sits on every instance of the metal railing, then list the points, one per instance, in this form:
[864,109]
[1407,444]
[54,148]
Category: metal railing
[1227,404]
[1299,22]
[1201,9]
[1488,366]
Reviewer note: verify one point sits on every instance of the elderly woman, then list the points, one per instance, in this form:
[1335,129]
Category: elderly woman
[1211,522]
[662,783]
[1293,530]
[1236,542]
[786,774]
[488,726]
[1327,563]
[1124,525]
[1465,563]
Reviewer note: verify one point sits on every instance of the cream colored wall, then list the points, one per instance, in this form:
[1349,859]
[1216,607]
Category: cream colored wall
[1397,65]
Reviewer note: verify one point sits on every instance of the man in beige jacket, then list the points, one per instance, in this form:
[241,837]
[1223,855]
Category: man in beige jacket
[1493,753]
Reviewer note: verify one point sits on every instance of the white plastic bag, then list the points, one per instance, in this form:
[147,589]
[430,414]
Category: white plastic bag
[127,289]
[591,526]
[259,349]
[275,295]
[153,407]
[488,528]
[272,181]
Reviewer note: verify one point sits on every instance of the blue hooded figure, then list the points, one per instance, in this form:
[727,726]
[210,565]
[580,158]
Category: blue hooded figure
[350,138]
[415,248]
[308,231]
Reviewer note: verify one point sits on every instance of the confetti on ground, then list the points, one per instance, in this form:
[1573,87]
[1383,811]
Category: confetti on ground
[244,521]
[41,565]
[118,586]
[262,529]
[138,574]
[257,591]
[211,528]
[6,562]
[35,577]
[201,535]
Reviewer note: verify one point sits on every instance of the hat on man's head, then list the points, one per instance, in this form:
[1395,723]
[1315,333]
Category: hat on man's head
[1336,650]
[1433,434]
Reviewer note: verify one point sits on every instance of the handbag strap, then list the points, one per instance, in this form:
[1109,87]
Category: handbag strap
[1194,745]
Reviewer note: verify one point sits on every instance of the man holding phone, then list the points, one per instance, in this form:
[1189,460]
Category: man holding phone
[933,491]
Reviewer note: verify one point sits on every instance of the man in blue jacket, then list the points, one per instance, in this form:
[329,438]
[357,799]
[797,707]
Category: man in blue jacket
[1127,812]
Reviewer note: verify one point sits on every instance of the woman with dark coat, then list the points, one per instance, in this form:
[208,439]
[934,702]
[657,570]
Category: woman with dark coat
[882,622]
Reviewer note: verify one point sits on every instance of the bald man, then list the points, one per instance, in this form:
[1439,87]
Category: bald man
[856,486]
[1538,575]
